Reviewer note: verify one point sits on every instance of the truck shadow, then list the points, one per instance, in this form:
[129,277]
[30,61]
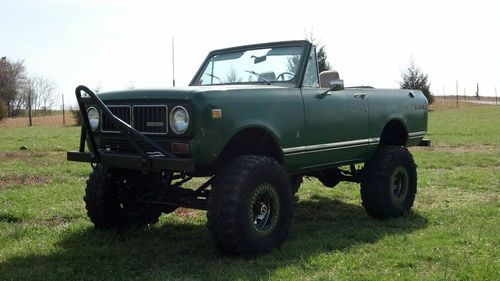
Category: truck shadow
[183,250]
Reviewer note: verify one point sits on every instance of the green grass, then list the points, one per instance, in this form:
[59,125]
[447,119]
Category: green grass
[453,232]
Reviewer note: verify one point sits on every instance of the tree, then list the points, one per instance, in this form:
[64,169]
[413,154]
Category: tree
[13,81]
[77,115]
[232,76]
[131,85]
[20,93]
[41,91]
[3,109]
[323,63]
[413,78]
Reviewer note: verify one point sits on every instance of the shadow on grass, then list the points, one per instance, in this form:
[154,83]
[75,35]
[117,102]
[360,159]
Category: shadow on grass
[181,250]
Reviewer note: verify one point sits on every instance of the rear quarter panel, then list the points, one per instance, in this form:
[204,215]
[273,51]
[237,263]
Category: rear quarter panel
[387,105]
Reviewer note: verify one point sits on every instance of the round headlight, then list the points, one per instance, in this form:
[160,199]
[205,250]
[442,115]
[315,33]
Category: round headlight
[179,120]
[93,115]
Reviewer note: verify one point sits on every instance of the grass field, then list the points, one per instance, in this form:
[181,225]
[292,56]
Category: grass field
[452,234]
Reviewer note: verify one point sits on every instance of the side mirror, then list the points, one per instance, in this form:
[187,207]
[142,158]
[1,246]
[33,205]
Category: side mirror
[336,84]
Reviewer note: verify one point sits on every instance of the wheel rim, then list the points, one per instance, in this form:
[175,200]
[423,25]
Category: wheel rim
[264,209]
[399,183]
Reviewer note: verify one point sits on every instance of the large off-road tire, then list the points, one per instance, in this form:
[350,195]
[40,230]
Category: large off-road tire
[389,183]
[249,208]
[110,202]
[295,182]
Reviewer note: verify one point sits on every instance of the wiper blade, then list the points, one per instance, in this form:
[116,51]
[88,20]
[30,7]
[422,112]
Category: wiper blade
[260,76]
[213,76]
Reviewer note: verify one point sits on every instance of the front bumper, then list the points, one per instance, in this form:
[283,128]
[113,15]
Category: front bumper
[155,158]
[134,162]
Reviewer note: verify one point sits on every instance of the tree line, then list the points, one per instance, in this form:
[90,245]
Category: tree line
[20,92]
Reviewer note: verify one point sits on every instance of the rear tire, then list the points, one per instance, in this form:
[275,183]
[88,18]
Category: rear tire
[249,208]
[110,202]
[389,184]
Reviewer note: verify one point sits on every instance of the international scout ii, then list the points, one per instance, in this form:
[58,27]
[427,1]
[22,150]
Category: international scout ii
[253,121]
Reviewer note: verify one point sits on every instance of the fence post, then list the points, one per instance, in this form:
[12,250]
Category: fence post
[64,120]
[30,121]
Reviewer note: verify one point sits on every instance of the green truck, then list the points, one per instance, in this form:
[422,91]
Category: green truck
[253,122]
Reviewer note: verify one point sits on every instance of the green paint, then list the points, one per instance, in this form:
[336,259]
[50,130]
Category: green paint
[314,130]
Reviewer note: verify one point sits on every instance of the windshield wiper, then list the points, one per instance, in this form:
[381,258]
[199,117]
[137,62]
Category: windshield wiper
[260,76]
[213,76]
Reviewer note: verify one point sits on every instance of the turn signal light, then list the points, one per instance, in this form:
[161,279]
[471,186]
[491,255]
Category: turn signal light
[180,148]
[216,113]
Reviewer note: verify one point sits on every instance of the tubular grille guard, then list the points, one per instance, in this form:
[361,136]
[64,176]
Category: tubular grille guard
[125,129]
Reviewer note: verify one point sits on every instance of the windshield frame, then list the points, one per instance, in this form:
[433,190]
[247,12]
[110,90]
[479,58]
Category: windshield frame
[297,81]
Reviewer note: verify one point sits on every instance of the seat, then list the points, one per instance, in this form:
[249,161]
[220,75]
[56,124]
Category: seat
[270,76]
[326,76]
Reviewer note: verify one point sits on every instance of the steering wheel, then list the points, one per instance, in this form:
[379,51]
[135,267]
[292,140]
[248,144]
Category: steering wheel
[282,75]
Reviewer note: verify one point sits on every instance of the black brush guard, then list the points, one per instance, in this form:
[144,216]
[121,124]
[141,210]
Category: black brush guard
[159,160]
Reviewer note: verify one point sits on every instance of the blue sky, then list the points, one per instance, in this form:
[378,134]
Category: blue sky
[116,43]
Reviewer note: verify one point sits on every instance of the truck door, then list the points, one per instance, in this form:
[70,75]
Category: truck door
[336,123]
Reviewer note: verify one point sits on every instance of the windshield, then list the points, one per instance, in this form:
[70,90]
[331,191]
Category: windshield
[266,65]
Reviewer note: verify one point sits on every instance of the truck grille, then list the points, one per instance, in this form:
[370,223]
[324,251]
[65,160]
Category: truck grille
[121,144]
[147,119]
[120,111]
[150,119]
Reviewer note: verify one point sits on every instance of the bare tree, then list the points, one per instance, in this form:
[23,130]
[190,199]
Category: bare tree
[232,76]
[323,63]
[98,87]
[42,93]
[131,85]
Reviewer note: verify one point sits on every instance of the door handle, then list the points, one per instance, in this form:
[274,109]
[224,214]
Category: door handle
[360,96]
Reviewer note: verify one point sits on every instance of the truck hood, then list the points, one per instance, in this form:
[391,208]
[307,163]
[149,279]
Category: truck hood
[179,93]
[147,94]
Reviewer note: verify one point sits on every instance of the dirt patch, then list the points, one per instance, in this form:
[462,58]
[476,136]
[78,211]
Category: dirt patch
[35,158]
[38,121]
[186,213]
[15,155]
[22,180]
[56,220]
[462,148]
[450,103]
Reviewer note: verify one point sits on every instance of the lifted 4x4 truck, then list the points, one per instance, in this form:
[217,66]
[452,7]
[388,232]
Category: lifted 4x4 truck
[254,120]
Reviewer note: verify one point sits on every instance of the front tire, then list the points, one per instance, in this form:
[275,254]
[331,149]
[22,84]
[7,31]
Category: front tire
[389,184]
[249,208]
[111,201]
[295,182]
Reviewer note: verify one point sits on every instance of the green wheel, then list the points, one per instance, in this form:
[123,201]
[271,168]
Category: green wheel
[390,183]
[249,208]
